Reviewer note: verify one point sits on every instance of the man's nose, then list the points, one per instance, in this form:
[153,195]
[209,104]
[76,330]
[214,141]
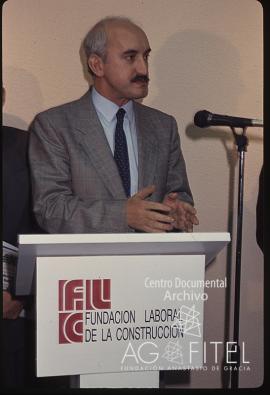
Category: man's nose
[142,66]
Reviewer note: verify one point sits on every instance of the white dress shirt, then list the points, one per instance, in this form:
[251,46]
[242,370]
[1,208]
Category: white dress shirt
[106,111]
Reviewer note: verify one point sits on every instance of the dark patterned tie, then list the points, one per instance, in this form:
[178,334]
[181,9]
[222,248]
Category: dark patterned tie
[121,151]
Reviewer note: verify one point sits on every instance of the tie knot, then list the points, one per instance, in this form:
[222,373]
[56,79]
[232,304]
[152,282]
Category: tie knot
[120,115]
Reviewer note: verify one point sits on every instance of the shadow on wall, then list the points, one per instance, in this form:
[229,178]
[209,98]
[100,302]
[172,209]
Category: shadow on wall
[202,71]
[23,95]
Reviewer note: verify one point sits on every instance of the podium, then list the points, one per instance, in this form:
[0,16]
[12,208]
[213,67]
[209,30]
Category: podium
[114,309]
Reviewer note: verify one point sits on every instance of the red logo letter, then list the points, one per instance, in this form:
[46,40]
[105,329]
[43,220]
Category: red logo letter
[71,295]
[70,328]
[98,294]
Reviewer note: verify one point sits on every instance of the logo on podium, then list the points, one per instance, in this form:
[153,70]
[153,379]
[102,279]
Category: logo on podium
[74,298]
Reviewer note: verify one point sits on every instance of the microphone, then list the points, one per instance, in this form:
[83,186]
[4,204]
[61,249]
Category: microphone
[205,118]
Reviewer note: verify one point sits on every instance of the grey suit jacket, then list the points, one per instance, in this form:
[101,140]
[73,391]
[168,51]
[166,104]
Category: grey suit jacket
[75,180]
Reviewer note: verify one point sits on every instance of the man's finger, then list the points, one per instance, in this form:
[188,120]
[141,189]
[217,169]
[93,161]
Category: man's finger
[155,206]
[158,217]
[149,229]
[159,226]
[188,207]
[172,196]
[195,220]
[145,192]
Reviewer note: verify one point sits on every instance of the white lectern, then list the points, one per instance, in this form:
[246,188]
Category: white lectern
[114,309]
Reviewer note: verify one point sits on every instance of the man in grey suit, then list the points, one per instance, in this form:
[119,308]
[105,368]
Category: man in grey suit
[77,185]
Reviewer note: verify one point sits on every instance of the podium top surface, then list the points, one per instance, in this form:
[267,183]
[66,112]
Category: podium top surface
[31,246]
[208,244]
[103,238]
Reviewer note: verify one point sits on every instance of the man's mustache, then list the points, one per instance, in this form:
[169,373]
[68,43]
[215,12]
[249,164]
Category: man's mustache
[140,77]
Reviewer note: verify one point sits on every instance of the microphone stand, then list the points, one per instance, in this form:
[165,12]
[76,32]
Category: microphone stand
[241,142]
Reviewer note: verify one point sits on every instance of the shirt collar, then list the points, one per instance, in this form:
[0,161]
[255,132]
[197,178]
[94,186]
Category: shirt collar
[109,109]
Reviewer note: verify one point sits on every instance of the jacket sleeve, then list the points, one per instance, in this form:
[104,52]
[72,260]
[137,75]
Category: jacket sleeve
[57,208]
[177,180]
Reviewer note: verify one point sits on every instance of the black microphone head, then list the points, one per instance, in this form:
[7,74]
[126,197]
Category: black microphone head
[201,118]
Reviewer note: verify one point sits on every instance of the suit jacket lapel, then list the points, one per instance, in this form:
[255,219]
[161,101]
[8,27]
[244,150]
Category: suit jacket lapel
[94,141]
[147,147]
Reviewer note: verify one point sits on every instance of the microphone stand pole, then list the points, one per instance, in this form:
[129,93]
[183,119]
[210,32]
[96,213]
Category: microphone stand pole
[242,142]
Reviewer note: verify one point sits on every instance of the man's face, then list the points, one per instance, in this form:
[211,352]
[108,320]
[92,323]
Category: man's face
[125,70]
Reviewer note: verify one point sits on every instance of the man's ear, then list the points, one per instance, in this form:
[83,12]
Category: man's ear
[96,65]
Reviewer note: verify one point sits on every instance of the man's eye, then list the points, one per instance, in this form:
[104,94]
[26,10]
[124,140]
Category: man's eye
[130,58]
